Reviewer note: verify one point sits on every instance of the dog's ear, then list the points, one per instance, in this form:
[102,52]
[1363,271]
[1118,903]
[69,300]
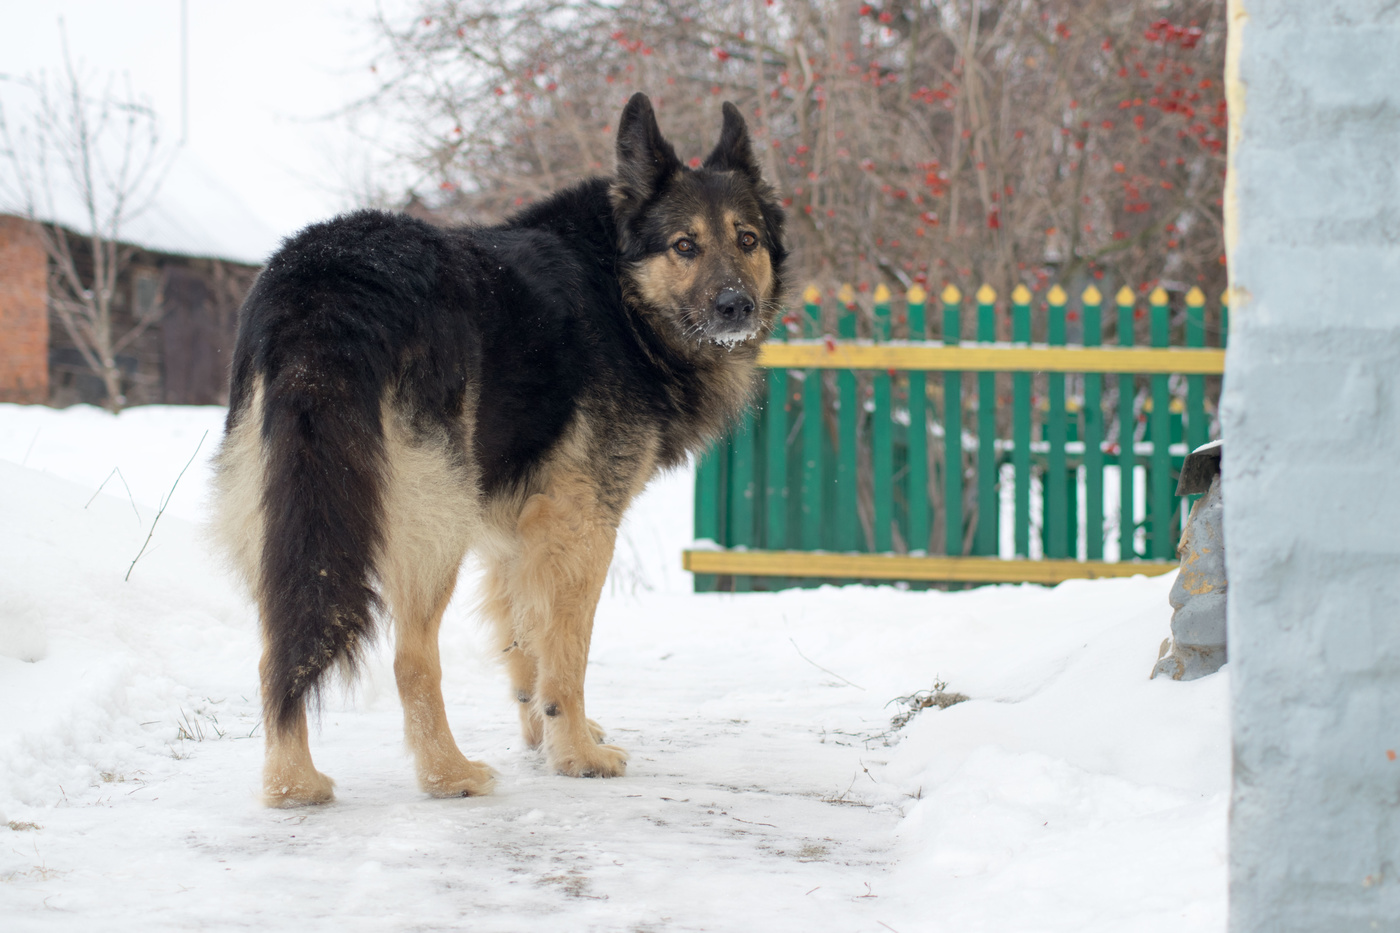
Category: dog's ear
[734,152]
[644,158]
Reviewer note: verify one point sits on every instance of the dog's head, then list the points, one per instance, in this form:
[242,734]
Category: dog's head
[702,248]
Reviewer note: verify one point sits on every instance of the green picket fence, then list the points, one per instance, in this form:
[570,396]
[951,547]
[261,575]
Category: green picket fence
[842,472]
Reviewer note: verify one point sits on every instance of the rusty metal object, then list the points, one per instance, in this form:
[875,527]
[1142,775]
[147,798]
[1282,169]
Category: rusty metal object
[1197,645]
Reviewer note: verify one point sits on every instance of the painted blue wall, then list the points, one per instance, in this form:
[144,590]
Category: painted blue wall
[1311,415]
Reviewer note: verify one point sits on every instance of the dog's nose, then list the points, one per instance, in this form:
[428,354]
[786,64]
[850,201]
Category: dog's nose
[734,306]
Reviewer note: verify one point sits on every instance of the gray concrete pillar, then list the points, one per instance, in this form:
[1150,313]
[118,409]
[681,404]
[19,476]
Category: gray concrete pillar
[1311,417]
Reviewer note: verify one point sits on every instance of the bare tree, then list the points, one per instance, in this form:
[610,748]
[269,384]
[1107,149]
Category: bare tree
[82,167]
[1019,141]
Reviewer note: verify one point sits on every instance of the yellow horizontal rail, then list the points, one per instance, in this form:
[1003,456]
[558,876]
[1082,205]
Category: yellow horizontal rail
[817,354]
[902,567]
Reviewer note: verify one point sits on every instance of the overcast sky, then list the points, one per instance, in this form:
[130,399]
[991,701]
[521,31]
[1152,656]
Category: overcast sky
[264,75]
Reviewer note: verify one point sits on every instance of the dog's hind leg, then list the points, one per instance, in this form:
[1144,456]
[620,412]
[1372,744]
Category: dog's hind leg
[305,545]
[566,540]
[443,771]
[431,511]
[289,777]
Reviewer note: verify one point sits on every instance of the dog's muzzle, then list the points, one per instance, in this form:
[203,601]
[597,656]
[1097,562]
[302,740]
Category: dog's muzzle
[732,317]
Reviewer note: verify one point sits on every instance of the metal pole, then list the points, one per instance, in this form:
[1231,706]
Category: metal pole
[184,71]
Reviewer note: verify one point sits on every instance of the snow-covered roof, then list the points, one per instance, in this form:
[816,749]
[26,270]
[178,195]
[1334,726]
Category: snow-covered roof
[192,213]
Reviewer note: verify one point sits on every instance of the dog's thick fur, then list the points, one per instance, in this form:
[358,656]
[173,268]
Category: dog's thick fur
[402,394]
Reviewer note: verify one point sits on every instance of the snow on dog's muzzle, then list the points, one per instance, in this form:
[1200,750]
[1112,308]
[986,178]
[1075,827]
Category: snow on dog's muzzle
[732,317]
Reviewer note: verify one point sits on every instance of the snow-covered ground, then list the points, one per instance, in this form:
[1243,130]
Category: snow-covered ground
[1069,793]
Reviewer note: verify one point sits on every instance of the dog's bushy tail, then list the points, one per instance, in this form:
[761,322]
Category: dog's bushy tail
[324,448]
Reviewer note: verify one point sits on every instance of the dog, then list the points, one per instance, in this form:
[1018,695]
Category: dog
[402,394]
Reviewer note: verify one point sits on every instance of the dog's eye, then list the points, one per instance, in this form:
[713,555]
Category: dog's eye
[685,246]
[748,241]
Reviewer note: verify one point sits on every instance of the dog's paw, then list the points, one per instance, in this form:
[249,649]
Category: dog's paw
[459,779]
[597,731]
[303,790]
[590,760]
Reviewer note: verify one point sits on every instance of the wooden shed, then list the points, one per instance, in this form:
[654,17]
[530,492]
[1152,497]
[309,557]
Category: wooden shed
[181,358]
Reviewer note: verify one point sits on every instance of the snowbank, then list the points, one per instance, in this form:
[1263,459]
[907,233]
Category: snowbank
[765,790]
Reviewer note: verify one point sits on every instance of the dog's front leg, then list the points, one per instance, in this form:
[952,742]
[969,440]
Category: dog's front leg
[566,547]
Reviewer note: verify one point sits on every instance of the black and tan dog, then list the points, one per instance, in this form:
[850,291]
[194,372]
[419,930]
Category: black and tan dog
[403,394]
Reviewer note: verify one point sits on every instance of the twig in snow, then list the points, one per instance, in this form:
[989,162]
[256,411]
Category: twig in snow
[752,823]
[841,798]
[822,669]
[30,449]
[117,472]
[887,926]
[168,496]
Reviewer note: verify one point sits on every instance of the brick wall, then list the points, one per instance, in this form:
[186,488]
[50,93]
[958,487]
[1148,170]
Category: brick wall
[24,318]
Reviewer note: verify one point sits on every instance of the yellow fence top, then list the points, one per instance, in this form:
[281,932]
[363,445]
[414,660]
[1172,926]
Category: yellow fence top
[904,567]
[863,354]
